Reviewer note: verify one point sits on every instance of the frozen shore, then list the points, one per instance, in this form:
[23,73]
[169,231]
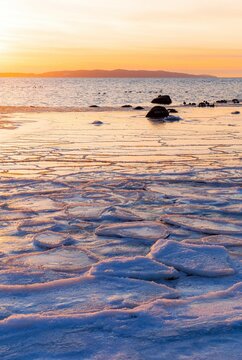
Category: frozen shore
[120,241]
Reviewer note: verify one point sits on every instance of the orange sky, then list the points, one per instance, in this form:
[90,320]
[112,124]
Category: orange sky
[179,35]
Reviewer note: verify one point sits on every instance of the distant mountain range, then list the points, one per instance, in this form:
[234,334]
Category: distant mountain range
[119,73]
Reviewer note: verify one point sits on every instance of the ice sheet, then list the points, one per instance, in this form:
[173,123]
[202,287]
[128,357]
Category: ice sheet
[104,246]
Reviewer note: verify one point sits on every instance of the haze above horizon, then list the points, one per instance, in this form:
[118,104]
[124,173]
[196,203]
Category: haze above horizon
[196,37]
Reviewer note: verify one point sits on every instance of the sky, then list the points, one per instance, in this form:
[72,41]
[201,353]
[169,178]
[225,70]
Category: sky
[196,36]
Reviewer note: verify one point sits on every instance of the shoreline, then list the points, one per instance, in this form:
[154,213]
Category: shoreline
[38,109]
[125,140]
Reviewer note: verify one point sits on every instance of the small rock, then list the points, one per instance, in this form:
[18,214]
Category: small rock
[221,101]
[126,106]
[138,108]
[235,113]
[158,112]
[93,106]
[172,111]
[97,122]
[162,99]
[205,104]
[235,101]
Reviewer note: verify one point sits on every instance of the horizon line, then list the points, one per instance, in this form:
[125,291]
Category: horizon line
[103,73]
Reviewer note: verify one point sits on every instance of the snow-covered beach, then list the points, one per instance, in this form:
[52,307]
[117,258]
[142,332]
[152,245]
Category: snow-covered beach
[121,241]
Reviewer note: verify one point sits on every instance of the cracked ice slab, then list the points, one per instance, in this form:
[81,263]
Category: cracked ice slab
[138,267]
[146,230]
[201,260]
[204,225]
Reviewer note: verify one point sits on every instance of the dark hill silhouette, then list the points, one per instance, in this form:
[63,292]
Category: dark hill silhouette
[119,73]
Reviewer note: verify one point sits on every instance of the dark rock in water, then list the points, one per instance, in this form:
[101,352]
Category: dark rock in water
[97,122]
[235,113]
[158,112]
[172,111]
[235,101]
[205,104]
[162,99]
[93,106]
[184,103]
[138,108]
[191,104]
[221,101]
[126,106]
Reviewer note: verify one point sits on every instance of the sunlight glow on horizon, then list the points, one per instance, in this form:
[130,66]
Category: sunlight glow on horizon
[183,35]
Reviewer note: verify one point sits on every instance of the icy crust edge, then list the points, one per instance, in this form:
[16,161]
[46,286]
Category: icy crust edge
[159,318]
[139,267]
[201,260]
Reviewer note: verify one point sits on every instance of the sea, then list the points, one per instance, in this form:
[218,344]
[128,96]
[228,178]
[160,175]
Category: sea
[56,92]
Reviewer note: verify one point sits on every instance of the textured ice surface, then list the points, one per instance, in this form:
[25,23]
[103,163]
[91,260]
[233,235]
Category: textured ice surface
[137,268]
[205,225]
[34,203]
[14,215]
[87,212]
[146,230]
[35,226]
[97,213]
[124,248]
[84,294]
[62,180]
[62,259]
[196,328]
[120,214]
[222,240]
[10,244]
[199,260]
[50,240]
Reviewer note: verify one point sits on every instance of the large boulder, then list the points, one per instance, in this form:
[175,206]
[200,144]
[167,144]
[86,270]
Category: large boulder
[158,112]
[162,99]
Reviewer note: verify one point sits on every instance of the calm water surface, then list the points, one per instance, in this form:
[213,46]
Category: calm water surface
[111,92]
